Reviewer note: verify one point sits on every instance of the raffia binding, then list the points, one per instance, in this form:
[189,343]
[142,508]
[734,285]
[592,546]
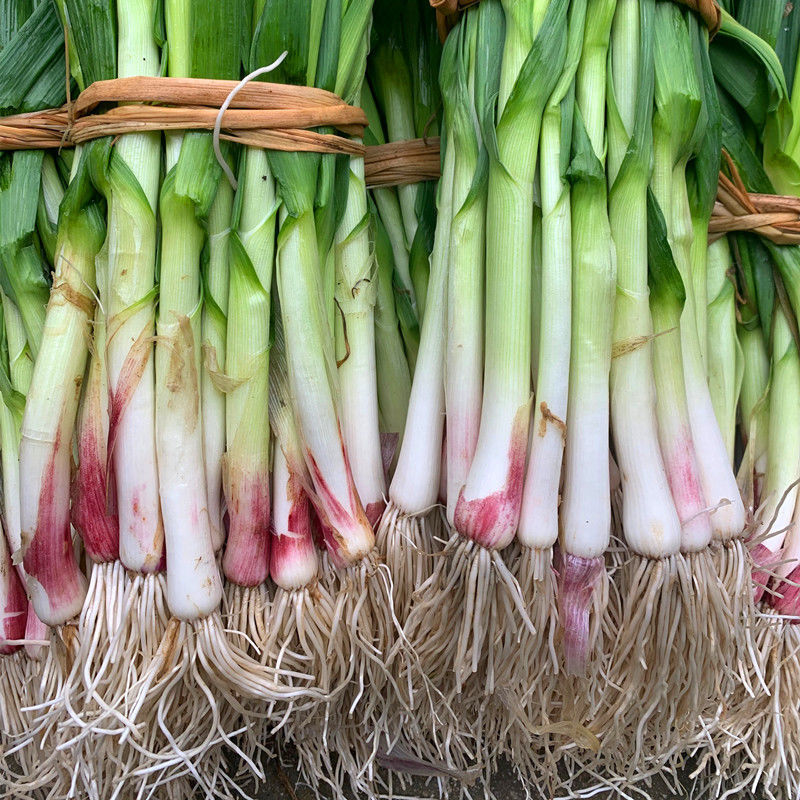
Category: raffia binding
[265,115]
[38,130]
[776,217]
[399,163]
[448,12]
[269,115]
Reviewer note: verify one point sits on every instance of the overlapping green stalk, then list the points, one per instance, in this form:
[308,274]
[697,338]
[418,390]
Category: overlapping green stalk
[723,355]
[45,449]
[305,184]
[355,297]
[252,249]
[488,507]
[387,210]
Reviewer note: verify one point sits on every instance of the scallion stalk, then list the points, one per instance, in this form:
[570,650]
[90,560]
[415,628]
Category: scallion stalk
[57,586]
[356,293]
[716,473]
[724,357]
[678,98]
[93,503]
[586,508]
[300,618]
[132,175]
[464,353]
[539,523]
[213,325]
[780,491]
[754,412]
[246,561]
[394,375]
[649,519]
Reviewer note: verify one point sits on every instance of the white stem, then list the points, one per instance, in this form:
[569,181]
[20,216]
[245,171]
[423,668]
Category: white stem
[716,472]
[214,340]
[783,447]
[356,292]
[194,587]
[415,486]
[538,522]
[131,245]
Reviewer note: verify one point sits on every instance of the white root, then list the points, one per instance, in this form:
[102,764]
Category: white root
[341,740]
[673,653]
[28,769]
[455,670]
[197,697]
[755,734]
[520,716]
[407,544]
[246,610]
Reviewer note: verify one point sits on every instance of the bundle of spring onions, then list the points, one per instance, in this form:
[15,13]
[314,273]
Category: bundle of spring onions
[757,730]
[407,480]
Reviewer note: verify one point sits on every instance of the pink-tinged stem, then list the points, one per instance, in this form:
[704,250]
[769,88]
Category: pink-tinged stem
[35,631]
[578,579]
[347,531]
[293,556]
[94,512]
[492,521]
[132,449]
[763,559]
[786,599]
[683,475]
[13,601]
[56,584]
[374,512]
[246,559]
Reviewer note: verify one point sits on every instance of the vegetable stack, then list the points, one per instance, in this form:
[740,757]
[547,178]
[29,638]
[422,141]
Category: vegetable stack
[412,477]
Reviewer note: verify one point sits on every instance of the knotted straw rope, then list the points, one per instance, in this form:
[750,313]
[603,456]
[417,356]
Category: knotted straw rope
[776,217]
[274,116]
[270,115]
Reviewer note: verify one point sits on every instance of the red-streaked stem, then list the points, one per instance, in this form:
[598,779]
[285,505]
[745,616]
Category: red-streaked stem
[313,390]
[93,502]
[492,520]
[246,559]
[339,515]
[687,493]
[786,597]
[55,581]
[763,559]
[13,602]
[578,579]
[56,585]
[293,560]
[35,631]
[129,446]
